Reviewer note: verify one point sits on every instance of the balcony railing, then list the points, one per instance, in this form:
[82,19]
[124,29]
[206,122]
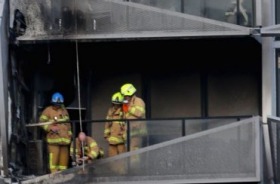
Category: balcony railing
[226,151]
[115,19]
[161,129]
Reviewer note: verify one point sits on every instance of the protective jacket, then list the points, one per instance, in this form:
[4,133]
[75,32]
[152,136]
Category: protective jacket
[115,131]
[60,117]
[91,149]
[136,110]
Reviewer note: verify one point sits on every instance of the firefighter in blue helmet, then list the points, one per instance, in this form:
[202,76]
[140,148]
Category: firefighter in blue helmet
[58,133]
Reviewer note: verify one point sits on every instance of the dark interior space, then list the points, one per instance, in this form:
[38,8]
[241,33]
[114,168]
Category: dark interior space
[56,61]
[173,55]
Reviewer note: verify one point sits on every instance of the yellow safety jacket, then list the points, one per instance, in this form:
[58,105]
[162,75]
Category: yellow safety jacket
[115,131]
[91,149]
[61,119]
[136,110]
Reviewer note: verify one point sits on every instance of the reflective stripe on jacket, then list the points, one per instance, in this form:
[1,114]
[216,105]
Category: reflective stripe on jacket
[91,149]
[136,110]
[61,117]
[115,131]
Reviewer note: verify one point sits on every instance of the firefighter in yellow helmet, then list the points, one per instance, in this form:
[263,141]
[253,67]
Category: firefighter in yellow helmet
[115,131]
[58,134]
[134,108]
[86,149]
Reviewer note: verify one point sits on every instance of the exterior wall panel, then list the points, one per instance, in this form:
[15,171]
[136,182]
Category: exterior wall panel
[176,96]
[233,94]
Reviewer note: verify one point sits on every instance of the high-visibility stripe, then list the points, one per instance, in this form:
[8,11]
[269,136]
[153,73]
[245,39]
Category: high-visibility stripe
[45,127]
[63,119]
[115,140]
[142,131]
[124,136]
[140,108]
[58,140]
[101,152]
[132,110]
[62,167]
[53,167]
[44,118]
[121,123]
[72,150]
[107,131]
[93,144]
[118,122]
[50,162]
[94,154]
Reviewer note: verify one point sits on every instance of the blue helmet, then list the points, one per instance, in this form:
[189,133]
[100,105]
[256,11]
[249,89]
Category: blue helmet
[57,98]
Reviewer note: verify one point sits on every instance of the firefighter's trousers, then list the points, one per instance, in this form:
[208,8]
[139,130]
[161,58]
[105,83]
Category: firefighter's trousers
[58,157]
[135,144]
[116,149]
[118,166]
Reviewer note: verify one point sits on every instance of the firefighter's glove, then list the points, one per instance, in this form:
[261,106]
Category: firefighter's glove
[80,161]
[74,164]
[54,128]
[101,153]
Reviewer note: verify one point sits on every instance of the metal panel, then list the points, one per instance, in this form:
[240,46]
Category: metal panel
[4,111]
[271,30]
[229,153]
[36,161]
[273,155]
[114,19]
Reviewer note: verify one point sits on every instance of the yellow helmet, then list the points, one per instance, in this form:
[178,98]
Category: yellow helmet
[117,98]
[128,89]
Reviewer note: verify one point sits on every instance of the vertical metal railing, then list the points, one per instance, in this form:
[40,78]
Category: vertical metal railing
[274,137]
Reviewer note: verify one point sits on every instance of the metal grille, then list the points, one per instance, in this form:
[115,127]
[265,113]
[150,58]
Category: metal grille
[274,132]
[105,19]
[229,153]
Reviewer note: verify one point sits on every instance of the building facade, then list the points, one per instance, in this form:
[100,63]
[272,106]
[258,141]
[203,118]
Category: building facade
[187,59]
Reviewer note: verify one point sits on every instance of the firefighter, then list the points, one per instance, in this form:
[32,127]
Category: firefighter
[115,131]
[58,134]
[86,149]
[134,108]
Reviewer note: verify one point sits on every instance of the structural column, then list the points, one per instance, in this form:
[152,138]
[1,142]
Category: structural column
[268,63]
